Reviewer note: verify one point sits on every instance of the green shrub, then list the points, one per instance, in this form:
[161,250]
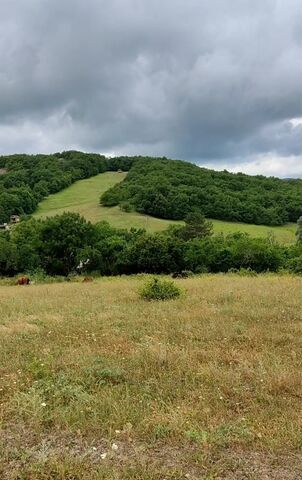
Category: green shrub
[243,272]
[295,265]
[157,289]
[126,207]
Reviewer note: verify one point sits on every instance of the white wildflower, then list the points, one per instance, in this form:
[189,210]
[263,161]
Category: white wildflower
[114,447]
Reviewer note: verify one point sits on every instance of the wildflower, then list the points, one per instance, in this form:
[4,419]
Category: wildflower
[103,456]
[114,447]
[43,404]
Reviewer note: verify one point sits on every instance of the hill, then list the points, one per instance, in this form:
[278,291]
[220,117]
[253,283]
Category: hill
[97,383]
[83,197]
[27,179]
[161,188]
[172,188]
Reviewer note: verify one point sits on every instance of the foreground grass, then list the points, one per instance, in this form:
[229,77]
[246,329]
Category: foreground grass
[83,197]
[98,384]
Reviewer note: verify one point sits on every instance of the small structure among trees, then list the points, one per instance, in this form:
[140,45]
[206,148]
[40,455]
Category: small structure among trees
[14,219]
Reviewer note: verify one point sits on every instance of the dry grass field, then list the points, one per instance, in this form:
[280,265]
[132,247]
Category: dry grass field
[96,383]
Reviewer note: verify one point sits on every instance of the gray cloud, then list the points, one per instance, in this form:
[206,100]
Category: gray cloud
[213,82]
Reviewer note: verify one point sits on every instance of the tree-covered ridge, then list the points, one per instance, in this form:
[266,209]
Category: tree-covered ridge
[172,188]
[30,178]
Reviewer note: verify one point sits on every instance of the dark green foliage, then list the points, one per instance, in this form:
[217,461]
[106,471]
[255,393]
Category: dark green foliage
[126,207]
[68,244]
[220,254]
[196,226]
[30,178]
[157,289]
[62,238]
[172,189]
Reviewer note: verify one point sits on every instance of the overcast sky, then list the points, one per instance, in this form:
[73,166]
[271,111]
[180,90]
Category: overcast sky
[216,82]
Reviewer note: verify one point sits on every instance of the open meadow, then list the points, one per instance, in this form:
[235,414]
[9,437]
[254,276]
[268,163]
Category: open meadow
[97,383]
[83,197]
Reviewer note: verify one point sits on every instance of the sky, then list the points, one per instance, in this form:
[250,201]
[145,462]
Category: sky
[215,82]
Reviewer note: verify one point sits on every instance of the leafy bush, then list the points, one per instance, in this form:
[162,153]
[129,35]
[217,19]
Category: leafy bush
[157,289]
[295,265]
[126,207]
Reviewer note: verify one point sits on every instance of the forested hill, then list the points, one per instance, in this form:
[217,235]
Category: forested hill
[172,188]
[27,179]
[160,187]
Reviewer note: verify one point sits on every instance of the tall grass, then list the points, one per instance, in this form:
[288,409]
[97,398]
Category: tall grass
[97,383]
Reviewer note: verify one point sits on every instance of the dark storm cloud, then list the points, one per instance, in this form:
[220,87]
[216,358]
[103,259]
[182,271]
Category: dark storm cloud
[206,81]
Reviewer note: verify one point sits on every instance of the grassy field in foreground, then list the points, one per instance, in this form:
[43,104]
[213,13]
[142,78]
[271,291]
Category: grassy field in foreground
[83,197]
[98,384]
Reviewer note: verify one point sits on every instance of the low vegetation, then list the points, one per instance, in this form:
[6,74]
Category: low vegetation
[97,383]
[157,289]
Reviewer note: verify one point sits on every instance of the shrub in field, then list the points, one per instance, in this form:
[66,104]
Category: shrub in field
[126,207]
[243,272]
[157,289]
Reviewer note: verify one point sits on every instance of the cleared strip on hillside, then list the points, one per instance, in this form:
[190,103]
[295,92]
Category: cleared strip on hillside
[83,197]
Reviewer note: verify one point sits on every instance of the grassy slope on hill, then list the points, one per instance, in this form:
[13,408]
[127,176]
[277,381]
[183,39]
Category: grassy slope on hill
[207,386]
[83,197]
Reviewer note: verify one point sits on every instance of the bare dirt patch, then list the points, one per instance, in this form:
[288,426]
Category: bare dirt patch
[13,328]
[20,448]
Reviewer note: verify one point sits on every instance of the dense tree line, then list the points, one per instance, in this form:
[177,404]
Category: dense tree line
[30,178]
[172,188]
[155,186]
[67,244]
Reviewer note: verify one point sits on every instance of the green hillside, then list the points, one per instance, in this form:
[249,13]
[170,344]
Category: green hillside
[171,189]
[83,197]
